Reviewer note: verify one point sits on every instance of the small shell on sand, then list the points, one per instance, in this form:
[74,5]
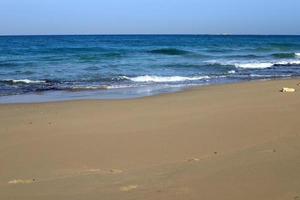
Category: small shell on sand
[128,188]
[286,89]
[20,181]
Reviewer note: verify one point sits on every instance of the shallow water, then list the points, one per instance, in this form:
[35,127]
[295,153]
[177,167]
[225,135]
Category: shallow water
[41,68]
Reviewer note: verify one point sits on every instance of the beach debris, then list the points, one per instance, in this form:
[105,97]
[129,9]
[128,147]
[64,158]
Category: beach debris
[128,188]
[92,170]
[193,159]
[286,89]
[115,171]
[21,181]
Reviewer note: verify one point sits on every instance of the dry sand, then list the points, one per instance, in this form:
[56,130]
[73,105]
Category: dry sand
[235,142]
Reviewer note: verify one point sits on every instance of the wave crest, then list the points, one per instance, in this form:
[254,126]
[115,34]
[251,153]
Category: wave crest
[26,81]
[161,79]
[284,55]
[264,65]
[254,65]
[287,64]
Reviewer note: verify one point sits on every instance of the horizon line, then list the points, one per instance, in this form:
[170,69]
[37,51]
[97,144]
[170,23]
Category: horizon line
[146,34]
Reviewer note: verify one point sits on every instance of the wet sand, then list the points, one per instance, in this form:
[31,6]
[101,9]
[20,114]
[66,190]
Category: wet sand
[235,141]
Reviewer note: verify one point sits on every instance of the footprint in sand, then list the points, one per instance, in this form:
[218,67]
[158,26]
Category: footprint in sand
[128,188]
[21,181]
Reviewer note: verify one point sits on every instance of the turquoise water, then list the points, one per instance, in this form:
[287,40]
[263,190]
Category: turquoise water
[46,68]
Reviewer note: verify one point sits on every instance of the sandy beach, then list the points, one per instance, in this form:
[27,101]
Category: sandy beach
[229,142]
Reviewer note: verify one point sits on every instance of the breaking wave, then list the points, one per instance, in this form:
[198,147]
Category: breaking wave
[263,65]
[161,79]
[24,81]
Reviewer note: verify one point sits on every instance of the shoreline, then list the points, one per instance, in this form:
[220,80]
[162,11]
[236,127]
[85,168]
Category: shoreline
[229,141]
[4,99]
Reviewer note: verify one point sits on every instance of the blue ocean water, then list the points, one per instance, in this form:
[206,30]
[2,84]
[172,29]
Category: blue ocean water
[45,68]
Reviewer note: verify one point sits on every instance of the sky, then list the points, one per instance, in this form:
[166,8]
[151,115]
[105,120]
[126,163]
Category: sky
[39,17]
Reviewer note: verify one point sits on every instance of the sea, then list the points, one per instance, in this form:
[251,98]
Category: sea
[70,67]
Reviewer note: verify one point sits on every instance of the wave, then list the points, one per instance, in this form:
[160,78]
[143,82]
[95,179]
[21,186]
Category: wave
[287,64]
[26,81]
[284,46]
[264,65]
[28,72]
[275,55]
[161,79]
[169,51]
[119,86]
[8,64]
[231,72]
[99,56]
[91,68]
[269,76]
[60,50]
[91,88]
[254,65]
[86,88]
[244,56]
[284,55]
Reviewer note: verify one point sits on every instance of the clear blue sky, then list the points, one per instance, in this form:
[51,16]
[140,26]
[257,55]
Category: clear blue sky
[149,16]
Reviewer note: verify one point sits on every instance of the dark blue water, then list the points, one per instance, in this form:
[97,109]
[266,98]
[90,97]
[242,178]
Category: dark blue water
[71,67]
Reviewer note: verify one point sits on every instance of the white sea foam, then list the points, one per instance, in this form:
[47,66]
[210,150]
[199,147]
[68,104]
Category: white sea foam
[263,65]
[297,54]
[269,76]
[89,88]
[231,72]
[119,86]
[254,65]
[293,62]
[100,87]
[159,79]
[26,81]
